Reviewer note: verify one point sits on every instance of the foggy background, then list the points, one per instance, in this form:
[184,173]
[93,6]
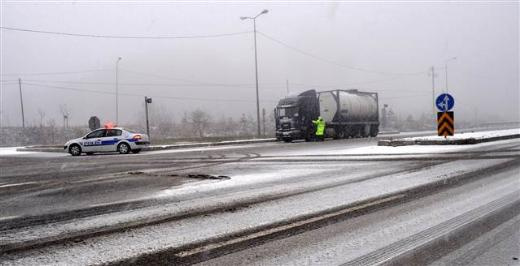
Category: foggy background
[388,48]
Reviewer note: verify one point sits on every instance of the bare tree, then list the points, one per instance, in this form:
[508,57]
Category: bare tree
[52,130]
[65,112]
[41,113]
[200,121]
[162,121]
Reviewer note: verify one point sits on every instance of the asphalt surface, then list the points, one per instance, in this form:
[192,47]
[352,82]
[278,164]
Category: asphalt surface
[47,192]
[361,239]
[59,182]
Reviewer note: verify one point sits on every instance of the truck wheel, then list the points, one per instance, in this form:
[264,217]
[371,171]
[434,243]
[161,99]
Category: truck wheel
[374,130]
[349,131]
[287,140]
[354,132]
[342,134]
[75,150]
[308,138]
[365,131]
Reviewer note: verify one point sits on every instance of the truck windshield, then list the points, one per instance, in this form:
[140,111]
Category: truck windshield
[287,111]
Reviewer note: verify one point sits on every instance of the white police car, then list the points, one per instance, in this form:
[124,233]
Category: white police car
[107,140]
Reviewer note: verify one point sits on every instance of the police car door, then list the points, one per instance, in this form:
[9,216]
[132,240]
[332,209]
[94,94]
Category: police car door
[111,140]
[93,141]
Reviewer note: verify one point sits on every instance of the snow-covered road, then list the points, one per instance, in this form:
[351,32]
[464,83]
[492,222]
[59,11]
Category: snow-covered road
[153,195]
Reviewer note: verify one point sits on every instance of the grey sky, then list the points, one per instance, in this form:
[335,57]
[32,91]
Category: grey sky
[394,37]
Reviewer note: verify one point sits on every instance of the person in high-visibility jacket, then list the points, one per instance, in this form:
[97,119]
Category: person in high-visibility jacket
[320,128]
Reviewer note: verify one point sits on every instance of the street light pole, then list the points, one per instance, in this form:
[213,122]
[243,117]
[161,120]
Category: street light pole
[21,101]
[256,78]
[446,69]
[117,90]
[256,70]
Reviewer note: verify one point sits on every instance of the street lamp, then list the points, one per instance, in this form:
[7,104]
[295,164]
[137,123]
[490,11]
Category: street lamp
[446,68]
[256,68]
[117,90]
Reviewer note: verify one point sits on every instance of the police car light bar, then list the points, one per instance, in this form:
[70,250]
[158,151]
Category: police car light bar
[109,125]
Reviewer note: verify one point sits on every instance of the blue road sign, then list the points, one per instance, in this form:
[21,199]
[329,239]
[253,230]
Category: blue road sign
[445,102]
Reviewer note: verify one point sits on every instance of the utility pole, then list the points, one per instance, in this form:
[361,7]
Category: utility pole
[117,90]
[263,120]
[446,69]
[256,69]
[21,101]
[433,91]
[287,86]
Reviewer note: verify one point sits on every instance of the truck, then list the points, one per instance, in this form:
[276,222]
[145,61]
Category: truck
[347,114]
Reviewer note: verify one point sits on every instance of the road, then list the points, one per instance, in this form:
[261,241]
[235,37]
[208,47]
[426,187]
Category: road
[331,202]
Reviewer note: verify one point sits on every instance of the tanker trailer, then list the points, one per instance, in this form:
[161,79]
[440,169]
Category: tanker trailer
[347,113]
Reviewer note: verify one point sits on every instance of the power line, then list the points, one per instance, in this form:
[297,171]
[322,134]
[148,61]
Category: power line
[333,62]
[54,73]
[206,85]
[186,80]
[348,84]
[160,37]
[136,95]
[182,80]
[416,95]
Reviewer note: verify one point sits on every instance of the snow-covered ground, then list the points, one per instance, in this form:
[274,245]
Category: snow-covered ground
[470,135]
[4,151]
[417,149]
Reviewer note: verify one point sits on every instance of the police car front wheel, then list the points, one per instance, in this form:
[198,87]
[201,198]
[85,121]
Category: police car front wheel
[123,148]
[75,150]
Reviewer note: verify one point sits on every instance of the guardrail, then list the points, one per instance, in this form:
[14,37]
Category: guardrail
[57,148]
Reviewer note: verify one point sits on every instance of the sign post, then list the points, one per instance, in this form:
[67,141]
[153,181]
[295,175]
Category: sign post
[146,102]
[445,117]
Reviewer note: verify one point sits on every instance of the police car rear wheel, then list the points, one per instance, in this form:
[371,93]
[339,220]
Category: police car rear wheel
[75,150]
[123,148]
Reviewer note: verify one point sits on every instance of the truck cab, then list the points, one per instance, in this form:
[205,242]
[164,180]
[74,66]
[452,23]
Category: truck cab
[294,115]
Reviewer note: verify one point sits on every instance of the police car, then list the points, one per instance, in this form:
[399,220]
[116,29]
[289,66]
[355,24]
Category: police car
[108,140]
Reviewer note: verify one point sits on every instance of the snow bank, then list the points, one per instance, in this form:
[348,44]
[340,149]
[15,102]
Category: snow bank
[6,151]
[473,135]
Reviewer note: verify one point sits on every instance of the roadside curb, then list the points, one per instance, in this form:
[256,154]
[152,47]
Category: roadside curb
[403,142]
[158,147]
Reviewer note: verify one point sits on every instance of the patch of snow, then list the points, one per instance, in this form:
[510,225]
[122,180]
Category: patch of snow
[417,149]
[236,180]
[469,135]
[6,151]
[201,149]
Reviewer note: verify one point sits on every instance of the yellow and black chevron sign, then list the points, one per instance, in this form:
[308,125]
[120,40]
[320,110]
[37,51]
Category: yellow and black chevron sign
[445,124]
